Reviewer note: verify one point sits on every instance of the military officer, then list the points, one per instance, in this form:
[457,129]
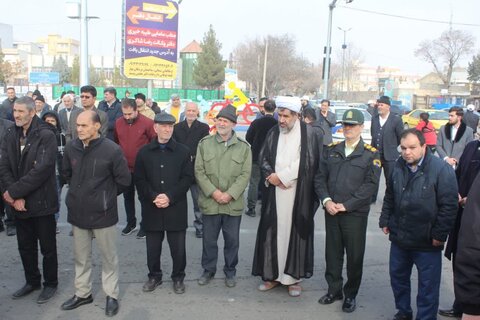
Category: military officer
[346,180]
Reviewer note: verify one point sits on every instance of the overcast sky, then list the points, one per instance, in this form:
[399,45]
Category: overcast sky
[384,39]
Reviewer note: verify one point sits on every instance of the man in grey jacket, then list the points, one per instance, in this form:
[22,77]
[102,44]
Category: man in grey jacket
[326,120]
[453,137]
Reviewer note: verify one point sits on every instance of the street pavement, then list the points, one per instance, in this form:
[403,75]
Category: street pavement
[215,300]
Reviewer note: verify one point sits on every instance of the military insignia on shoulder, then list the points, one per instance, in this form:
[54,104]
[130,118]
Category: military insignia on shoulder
[377,163]
[369,147]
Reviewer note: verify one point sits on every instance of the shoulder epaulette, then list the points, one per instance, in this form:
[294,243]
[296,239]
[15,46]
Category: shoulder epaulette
[205,138]
[369,147]
[333,144]
[243,140]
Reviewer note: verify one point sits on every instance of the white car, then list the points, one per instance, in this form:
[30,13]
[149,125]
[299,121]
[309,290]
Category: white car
[337,131]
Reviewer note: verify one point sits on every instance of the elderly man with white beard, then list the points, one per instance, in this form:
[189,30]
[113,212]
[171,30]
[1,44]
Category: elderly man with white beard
[288,161]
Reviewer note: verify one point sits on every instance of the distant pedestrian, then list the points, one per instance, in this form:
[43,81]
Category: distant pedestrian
[132,132]
[112,107]
[471,119]
[453,137]
[426,127]
[256,135]
[142,107]
[326,120]
[189,132]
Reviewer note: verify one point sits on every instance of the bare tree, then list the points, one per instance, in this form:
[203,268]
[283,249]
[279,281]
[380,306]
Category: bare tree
[443,53]
[287,71]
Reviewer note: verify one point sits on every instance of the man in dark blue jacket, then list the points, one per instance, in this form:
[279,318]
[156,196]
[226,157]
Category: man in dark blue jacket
[418,213]
[112,107]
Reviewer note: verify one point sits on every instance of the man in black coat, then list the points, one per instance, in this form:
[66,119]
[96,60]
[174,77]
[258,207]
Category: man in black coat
[189,132]
[163,174]
[386,129]
[97,172]
[347,179]
[6,210]
[112,107]
[418,212]
[256,135]
[27,179]
[467,170]
[467,263]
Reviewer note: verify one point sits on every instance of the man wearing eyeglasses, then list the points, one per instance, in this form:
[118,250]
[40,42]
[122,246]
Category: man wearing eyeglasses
[88,96]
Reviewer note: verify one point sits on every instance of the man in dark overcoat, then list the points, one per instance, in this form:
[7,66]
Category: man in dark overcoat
[163,175]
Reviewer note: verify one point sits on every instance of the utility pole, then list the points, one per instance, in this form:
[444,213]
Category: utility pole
[344,47]
[264,69]
[326,66]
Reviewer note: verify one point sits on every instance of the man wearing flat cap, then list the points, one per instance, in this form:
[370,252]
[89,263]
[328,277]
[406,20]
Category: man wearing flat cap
[346,180]
[288,161]
[222,170]
[163,174]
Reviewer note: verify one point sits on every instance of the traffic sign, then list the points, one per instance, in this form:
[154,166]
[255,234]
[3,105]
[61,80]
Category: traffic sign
[44,77]
[150,39]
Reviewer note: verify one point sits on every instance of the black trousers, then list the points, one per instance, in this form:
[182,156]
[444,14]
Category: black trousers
[176,242]
[129,202]
[30,232]
[345,234]
[6,210]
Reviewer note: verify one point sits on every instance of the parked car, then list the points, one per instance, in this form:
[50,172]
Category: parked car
[399,109]
[337,131]
[437,117]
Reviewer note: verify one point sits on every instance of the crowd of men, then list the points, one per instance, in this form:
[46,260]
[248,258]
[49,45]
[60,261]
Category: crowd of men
[288,160]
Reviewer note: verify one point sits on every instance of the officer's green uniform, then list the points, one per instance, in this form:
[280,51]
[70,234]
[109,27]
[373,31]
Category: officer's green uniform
[350,180]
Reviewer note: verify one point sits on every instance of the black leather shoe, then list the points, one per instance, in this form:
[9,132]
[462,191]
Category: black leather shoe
[46,294]
[11,231]
[178,286]
[76,302]
[151,284]
[349,305]
[450,313]
[401,316]
[330,298]
[111,308]
[25,290]
[250,213]
[205,278]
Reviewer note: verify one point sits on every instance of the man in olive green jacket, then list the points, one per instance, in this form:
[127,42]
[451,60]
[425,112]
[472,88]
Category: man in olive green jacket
[222,169]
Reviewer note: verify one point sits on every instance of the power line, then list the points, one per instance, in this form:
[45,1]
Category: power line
[409,18]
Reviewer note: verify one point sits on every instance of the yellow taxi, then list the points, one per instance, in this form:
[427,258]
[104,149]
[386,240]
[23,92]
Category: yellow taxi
[437,117]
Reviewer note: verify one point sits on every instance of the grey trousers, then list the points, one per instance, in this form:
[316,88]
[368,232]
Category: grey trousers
[82,249]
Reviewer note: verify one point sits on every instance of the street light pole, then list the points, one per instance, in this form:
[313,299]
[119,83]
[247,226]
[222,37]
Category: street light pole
[326,68]
[344,47]
[84,74]
[84,67]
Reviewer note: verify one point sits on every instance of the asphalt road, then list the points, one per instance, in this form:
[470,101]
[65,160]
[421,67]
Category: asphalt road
[213,301]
